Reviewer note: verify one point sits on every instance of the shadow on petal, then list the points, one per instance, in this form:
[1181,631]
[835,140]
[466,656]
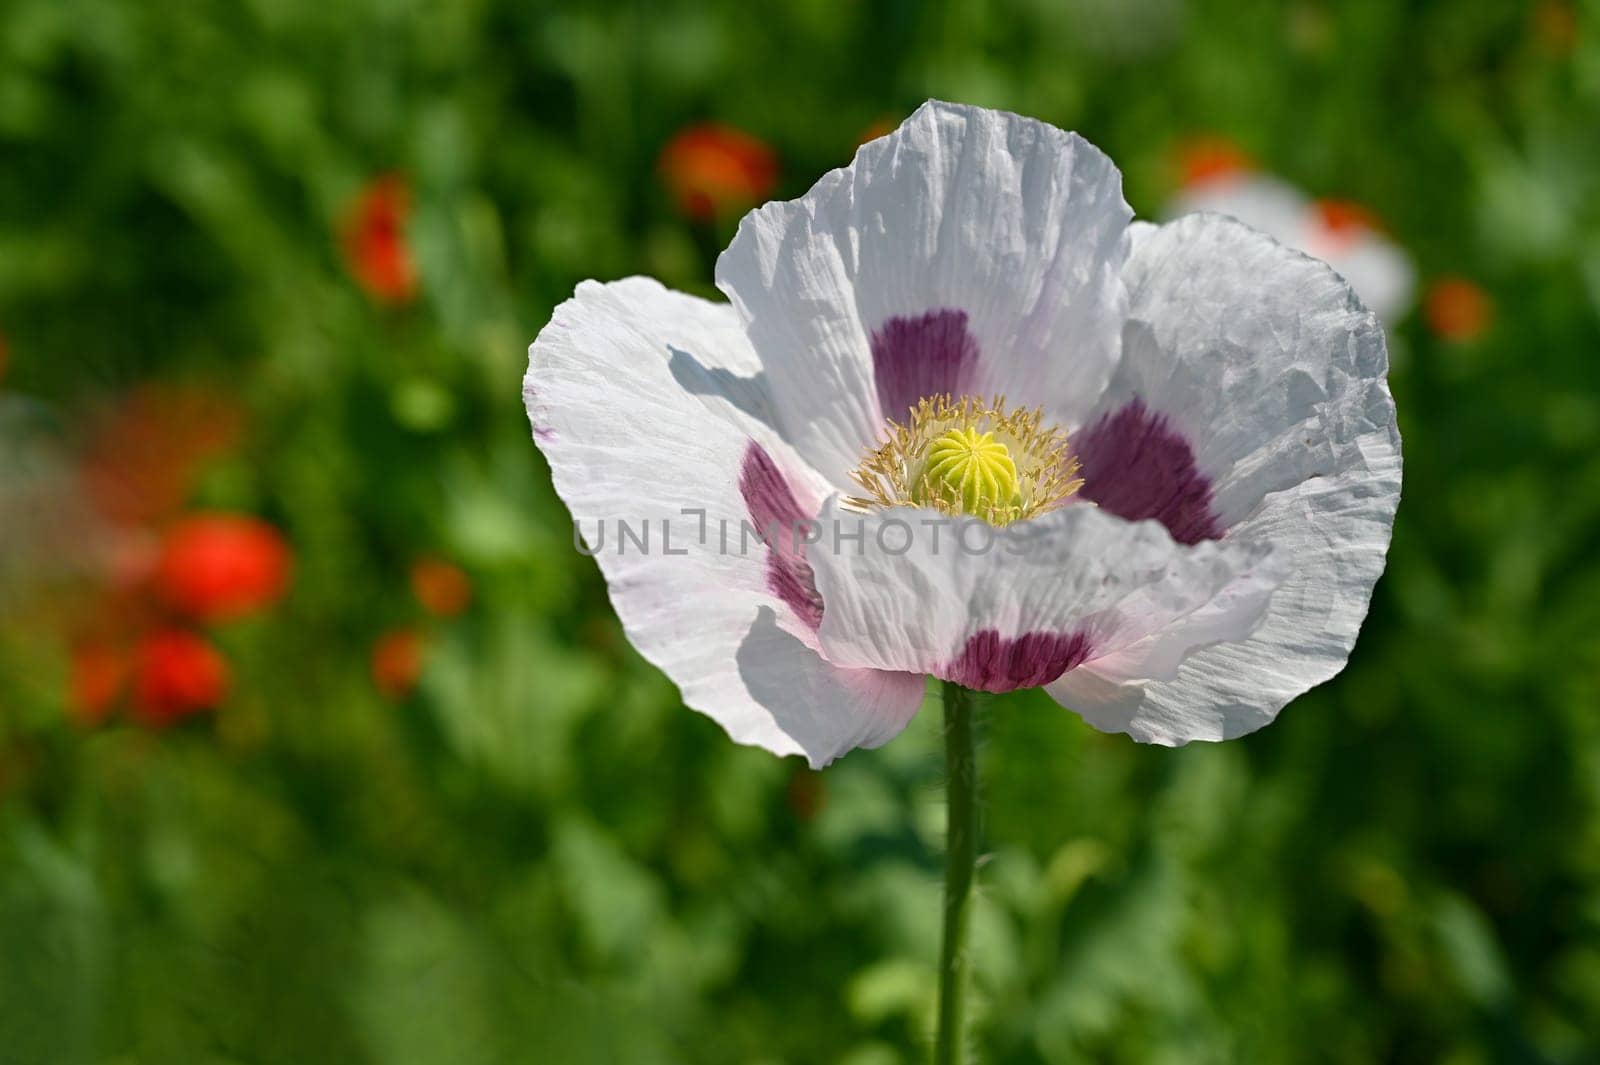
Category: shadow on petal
[748,395]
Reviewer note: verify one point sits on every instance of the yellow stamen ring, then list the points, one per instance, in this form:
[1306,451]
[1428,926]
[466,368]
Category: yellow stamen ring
[969,457]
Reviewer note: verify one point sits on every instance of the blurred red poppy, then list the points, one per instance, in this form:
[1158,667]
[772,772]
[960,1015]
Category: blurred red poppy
[99,675]
[374,241]
[218,566]
[1457,310]
[177,674]
[712,170]
[1205,159]
[397,662]
[442,587]
[142,456]
[5,356]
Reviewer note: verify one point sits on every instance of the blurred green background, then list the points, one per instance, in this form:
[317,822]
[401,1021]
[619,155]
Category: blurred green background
[498,837]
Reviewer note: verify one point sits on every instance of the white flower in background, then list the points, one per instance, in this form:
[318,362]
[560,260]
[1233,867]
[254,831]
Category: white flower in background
[1189,492]
[1342,234]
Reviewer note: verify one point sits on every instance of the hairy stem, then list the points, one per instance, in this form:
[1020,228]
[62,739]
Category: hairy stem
[961,785]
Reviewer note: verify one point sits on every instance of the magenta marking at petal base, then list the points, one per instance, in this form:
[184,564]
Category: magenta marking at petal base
[772,505]
[927,355]
[993,663]
[1136,466]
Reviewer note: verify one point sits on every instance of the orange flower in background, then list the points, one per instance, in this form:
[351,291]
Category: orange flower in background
[1204,159]
[1555,27]
[143,454]
[217,566]
[880,128]
[1340,223]
[99,675]
[806,794]
[442,587]
[397,662]
[1457,310]
[176,674]
[374,241]
[712,169]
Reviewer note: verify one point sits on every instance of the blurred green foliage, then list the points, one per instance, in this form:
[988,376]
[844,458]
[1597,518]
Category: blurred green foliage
[540,856]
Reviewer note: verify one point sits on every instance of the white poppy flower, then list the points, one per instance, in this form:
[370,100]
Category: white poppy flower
[1173,524]
[1338,232]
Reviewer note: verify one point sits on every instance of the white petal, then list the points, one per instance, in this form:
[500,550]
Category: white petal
[1013,608]
[1263,360]
[643,402]
[1008,229]
[1257,355]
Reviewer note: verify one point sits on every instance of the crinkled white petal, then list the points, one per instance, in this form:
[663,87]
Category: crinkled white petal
[1267,363]
[917,587]
[1015,223]
[643,402]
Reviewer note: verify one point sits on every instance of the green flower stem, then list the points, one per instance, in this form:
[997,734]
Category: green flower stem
[961,786]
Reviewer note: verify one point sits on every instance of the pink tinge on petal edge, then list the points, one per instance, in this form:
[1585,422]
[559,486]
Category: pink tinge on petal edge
[994,663]
[1136,466]
[777,514]
[928,355]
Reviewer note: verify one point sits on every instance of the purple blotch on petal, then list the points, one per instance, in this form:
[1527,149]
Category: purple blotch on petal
[772,506]
[1136,466]
[928,355]
[994,663]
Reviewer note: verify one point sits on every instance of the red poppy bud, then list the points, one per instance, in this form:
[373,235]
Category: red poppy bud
[442,588]
[177,674]
[397,663]
[374,241]
[1457,310]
